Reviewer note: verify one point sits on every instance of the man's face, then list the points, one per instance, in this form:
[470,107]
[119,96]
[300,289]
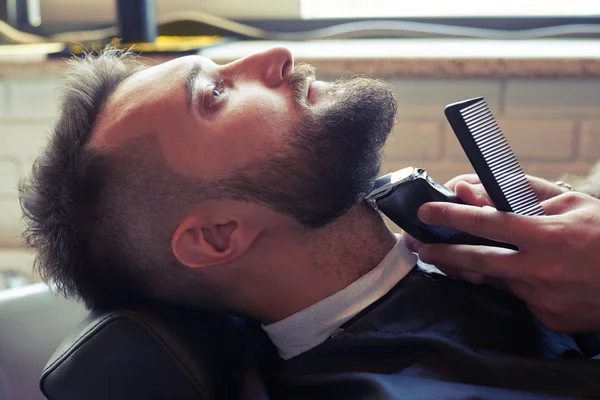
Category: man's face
[258,129]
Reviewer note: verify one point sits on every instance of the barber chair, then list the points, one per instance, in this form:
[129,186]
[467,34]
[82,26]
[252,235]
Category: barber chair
[33,322]
[153,353]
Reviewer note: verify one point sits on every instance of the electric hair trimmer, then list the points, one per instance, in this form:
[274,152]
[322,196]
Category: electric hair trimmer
[400,194]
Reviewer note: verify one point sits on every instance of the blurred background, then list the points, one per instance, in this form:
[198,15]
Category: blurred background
[536,62]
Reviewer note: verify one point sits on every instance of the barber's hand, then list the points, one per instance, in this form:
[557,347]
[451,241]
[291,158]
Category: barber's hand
[470,190]
[557,268]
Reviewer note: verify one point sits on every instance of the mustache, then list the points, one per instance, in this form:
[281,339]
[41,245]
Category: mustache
[298,80]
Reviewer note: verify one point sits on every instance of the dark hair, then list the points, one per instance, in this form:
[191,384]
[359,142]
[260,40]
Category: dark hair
[75,231]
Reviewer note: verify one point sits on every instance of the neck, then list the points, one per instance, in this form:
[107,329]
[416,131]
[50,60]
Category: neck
[301,269]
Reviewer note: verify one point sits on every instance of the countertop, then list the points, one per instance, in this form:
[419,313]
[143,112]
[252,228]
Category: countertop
[394,58]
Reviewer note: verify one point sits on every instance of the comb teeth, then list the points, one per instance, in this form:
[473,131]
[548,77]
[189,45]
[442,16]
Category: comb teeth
[500,160]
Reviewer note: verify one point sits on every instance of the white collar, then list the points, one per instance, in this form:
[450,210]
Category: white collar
[311,326]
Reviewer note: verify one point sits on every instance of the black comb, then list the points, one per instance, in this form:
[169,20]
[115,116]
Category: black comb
[491,157]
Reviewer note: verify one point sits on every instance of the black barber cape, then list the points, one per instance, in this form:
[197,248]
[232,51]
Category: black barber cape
[433,337]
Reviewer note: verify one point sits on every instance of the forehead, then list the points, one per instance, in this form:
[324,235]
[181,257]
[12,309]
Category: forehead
[131,110]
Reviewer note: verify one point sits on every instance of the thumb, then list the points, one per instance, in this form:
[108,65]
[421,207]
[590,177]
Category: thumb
[473,194]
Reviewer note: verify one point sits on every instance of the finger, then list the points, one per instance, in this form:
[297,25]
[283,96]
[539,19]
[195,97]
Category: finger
[566,202]
[469,178]
[474,277]
[486,261]
[473,194]
[485,222]
[465,275]
[410,242]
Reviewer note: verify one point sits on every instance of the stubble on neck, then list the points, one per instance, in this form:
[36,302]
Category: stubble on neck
[353,245]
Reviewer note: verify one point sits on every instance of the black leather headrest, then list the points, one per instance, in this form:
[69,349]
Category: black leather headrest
[141,354]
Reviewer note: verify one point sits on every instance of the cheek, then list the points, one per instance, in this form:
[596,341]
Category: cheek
[253,127]
[270,112]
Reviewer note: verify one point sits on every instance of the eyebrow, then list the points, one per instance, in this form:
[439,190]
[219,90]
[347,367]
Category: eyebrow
[190,81]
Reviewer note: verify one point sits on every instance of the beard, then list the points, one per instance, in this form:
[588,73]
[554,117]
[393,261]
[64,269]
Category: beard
[331,160]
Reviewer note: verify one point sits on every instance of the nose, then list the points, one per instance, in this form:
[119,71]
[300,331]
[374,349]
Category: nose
[271,66]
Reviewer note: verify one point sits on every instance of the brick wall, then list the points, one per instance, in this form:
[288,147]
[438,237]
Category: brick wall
[553,125]
[26,111]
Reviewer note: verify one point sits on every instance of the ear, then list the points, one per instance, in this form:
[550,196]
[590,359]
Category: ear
[201,242]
